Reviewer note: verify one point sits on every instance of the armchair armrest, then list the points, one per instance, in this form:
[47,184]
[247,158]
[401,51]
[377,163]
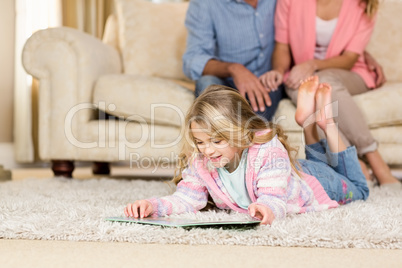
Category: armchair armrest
[67,63]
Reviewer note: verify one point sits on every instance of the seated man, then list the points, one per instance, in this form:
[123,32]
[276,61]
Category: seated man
[230,43]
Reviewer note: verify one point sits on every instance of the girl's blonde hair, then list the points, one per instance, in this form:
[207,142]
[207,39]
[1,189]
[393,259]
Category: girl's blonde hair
[225,114]
[371,7]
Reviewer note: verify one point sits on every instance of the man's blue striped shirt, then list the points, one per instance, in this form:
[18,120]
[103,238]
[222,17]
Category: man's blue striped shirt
[229,31]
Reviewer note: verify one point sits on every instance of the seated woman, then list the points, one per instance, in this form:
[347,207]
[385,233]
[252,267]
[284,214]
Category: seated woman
[328,39]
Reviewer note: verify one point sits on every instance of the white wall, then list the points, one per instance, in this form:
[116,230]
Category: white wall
[7,26]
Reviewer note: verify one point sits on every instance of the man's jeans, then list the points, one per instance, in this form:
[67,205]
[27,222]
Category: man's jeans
[208,80]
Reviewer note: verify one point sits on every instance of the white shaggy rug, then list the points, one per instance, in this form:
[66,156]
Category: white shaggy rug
[61,209]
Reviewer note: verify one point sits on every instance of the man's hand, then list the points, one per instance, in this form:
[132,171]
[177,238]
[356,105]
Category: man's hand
[373,65]
[300,72]
[140,208]
[249,84]
[272,80]
[261,212]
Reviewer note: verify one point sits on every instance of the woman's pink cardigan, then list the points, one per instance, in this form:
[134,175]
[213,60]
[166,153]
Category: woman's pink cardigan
[295,26]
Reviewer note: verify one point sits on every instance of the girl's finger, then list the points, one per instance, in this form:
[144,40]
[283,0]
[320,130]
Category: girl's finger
[129,210]
[148,210]
[143,208]
[265,218]
[252,211]
[271,83]
[135,210]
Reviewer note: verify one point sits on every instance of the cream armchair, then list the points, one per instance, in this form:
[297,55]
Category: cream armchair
[135,77]
[140,84]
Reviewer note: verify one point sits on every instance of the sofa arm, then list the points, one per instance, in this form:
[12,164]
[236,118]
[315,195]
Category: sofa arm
[67,63]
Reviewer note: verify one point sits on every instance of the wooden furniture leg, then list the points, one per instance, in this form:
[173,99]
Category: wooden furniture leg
[101,168]
[63,168]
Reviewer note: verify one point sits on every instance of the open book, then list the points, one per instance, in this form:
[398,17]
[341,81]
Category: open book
[174,222]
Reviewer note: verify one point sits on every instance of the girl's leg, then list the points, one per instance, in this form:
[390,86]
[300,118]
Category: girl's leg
[314,107]
[344,181]
[339,187]
[305,109]
[351,121]
[325,119]
[306,116]
[342,160]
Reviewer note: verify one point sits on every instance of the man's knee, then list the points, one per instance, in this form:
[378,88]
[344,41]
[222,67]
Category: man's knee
[205,81]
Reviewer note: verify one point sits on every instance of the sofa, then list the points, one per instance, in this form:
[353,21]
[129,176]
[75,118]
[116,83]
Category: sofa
[124,98]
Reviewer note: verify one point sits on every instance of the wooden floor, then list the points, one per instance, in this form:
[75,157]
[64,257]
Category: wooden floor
[31,253]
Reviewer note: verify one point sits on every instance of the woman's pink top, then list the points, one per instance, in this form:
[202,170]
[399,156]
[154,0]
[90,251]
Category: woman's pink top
[295,26]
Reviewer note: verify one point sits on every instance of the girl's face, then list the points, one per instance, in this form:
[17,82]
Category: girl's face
[217,150]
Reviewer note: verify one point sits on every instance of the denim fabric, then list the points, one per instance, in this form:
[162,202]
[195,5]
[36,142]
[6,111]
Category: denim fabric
[340,173]
[207,80]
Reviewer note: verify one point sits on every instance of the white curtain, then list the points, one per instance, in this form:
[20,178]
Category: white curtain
[30,17]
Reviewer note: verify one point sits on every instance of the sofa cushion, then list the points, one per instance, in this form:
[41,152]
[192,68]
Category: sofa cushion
[382,107]
[142,98]
[152,37]
[285,116]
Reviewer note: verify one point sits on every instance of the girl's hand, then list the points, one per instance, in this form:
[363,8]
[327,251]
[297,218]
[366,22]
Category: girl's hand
[140,208]
[299,73]
[271,79]
[261,212]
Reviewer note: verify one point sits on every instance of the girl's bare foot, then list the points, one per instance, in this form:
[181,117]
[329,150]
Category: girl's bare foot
[323,103]
[325,120]
[305,101]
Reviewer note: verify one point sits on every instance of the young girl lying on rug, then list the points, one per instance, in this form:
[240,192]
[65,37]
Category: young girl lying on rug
[245,163]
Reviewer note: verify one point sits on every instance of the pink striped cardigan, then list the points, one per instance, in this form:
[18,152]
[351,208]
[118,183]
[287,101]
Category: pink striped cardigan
[269,180]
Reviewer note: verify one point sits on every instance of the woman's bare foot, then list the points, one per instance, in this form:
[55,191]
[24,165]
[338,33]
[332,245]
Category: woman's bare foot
[365,170]
[305,101]
[323,105]
[380,169]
